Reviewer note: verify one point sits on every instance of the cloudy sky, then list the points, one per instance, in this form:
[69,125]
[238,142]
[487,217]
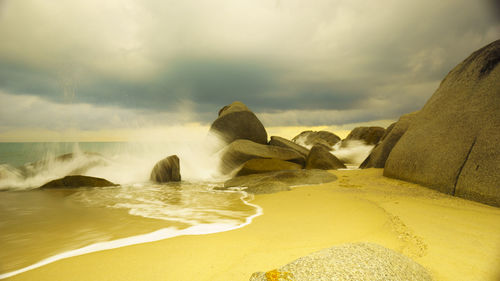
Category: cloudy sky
[93,67]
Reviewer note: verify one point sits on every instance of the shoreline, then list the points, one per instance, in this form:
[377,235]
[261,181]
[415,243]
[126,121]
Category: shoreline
[158,235]
[453,238]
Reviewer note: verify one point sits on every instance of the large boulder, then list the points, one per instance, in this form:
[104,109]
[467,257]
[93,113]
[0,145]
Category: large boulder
[259,165]
[370,135]
[240,151]
[354,261]
[310,138]
[166,170]
[280,180]
[235,122]
[279,141]
[320,158]
[381,151]
[77,181]
[452,144]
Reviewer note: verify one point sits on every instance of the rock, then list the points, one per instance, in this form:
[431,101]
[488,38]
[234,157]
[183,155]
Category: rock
[370,135]
[279,181]
[77,181]
[310,138]
[235,122]
[257,166]
[279,141]
[353,261]
[381,151]
[240,151]
[320,158]
[452,144]
[166,170]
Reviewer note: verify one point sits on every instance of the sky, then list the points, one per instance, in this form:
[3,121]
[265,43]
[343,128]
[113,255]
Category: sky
[114,70]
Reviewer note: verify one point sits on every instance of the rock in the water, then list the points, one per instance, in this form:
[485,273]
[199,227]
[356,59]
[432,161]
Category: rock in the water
[279,141]
[356,261]
[320,158]
[452,144]
[279,181]
[166,170]
[77,181]
[235,122]
[259,165]
[311,138]
[240,151]
[379,154]
[370,135]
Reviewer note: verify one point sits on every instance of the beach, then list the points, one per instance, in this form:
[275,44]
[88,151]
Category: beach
[454,239]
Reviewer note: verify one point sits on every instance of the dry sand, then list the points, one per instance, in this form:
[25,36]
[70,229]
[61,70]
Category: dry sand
[453,238]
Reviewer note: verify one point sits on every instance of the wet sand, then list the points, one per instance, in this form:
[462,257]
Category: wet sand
[453,238]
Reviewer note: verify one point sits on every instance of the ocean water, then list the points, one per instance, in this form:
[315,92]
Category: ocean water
[42,226]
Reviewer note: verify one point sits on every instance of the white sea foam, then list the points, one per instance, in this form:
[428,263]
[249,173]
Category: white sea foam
[199,229]
[352,152]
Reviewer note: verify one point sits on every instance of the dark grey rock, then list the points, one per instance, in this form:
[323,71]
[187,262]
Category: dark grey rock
[311,138]
[279,141]
[240,151]
[381,151]
[320,158]
[235,122]
[279,181]
[370,135]
[77,181]
[264,165]
[452,145]
[166,170]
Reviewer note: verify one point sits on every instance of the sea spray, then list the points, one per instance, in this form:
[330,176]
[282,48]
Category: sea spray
[352,152]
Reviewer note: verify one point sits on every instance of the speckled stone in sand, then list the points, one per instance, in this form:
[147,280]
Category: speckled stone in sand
[358,261]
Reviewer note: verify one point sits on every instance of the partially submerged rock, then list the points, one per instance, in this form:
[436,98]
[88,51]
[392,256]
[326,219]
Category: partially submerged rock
[257,166]
[235,122]
[279,141]
[320,158]
[370,135]
[280,180]
[356,261]
[77,181]
[311,138]
[240,151]
[452,144]
[381,151]
[166,170]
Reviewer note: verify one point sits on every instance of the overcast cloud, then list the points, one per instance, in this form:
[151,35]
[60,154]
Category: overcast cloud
[106,64]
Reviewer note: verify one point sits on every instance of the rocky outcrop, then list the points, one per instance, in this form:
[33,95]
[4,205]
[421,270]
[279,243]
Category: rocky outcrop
[240,151]
[279,141]
[356,261]
[279,181]
[311,138]
[452,144]
[166,170]
[257,166]
[381,151]
[370,135]
[320,158]
[77,181]
[235,122]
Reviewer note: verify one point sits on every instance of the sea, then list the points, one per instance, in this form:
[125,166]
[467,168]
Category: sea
[41,226]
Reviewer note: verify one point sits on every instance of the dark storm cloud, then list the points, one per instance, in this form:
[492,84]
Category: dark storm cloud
[320,63]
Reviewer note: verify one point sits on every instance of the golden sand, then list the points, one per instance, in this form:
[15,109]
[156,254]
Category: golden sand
[453,238]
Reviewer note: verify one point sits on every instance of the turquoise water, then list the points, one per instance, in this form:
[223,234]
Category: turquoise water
[41,226]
